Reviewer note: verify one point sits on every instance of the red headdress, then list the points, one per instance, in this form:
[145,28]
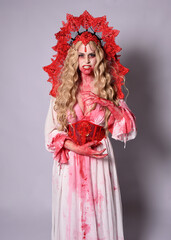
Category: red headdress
[86,28]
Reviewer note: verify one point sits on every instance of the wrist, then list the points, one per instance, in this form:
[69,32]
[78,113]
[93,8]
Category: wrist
[68,144]
[77,148]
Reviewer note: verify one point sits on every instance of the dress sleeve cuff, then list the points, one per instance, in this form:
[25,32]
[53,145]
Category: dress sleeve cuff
[125,128]
[56,146]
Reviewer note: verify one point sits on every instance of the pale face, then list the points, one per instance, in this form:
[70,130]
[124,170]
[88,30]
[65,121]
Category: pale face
[86,60]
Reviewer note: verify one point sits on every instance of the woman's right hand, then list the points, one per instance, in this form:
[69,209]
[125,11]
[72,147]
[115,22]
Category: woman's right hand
[93,98]
[85,149]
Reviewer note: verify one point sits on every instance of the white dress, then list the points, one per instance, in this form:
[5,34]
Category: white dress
[86,201]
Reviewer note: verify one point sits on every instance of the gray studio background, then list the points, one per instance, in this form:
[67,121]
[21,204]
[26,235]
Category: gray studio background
[144,167]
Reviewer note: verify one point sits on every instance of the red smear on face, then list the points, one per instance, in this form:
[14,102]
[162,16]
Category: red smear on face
[86,59]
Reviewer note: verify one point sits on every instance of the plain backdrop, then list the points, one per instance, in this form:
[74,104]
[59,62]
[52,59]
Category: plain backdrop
[144,167]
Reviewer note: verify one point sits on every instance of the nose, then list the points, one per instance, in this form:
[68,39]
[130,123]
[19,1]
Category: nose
[87,59]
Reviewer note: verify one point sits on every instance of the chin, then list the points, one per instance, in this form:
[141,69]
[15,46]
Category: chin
[87,71]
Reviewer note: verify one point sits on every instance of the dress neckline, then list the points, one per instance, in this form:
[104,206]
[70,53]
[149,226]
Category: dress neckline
[95,116]
[85,114]
[81,110]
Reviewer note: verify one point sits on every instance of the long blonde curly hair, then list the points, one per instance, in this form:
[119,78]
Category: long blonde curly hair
[69,83]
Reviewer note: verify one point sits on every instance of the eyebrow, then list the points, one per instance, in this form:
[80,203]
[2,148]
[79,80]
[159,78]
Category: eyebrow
[83,53]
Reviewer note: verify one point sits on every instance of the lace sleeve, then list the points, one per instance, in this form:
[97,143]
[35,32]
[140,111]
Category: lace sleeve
[125,128]
[54,139]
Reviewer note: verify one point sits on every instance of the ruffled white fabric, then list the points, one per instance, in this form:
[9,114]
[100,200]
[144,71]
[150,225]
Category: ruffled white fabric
[86,202]
[125,129]
[54,139]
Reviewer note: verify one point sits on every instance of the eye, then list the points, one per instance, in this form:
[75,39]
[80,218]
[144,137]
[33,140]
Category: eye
[80,55]
[92,55]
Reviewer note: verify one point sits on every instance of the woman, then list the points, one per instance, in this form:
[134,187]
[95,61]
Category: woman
[85,191]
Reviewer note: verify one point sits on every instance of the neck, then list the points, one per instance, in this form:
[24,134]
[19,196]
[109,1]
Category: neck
[86,81]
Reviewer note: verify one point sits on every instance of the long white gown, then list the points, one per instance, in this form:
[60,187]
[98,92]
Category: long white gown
[86,202]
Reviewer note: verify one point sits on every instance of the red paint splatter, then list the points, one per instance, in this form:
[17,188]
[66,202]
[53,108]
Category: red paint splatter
[84,170]
[81,183]
[81,168]
[85,228]
[98,199]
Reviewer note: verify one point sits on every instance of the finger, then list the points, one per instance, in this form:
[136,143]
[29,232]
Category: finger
[88,99]
[100,156]
[95,152]
[87,93]
[52,148]
[99,143]
[89,144]
[96,144]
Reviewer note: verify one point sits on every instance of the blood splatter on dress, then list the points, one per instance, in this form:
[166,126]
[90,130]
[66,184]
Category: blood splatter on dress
[86,202]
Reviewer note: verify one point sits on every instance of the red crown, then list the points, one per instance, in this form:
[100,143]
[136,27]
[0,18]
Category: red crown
[76,29]
[85,38]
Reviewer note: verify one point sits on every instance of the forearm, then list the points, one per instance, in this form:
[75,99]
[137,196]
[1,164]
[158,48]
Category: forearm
[70,145]
[85,149]
[117,112]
